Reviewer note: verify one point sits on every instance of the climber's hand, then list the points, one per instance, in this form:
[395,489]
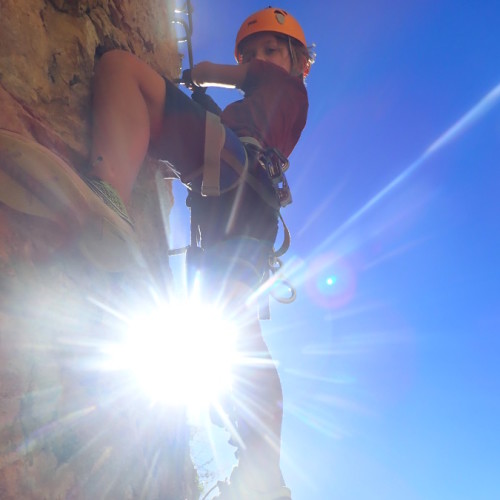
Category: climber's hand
[187,80]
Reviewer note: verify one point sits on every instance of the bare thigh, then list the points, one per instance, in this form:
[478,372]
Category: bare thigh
[126,67]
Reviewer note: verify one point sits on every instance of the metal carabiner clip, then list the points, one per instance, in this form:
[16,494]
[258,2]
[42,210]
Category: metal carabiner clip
[278,281]
[275,165]
[284,194]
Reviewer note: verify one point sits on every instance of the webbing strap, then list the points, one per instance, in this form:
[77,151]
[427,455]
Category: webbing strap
[255,184]
[286,239]
[215,136]
[251,140]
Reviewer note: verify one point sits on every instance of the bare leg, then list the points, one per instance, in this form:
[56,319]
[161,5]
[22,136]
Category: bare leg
[257,391]
[260,401]
[128,103]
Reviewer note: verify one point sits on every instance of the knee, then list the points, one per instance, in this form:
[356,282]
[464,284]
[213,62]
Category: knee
[115,56]
[113,62]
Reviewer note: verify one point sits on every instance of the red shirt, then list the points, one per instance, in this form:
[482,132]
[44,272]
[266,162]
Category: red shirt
[274,109]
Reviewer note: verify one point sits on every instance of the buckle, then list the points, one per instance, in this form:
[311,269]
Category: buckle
[275,164]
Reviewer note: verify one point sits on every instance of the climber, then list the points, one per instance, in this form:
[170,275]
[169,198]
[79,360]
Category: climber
[136,112]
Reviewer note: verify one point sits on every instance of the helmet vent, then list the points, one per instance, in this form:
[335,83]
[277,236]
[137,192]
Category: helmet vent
[280,16]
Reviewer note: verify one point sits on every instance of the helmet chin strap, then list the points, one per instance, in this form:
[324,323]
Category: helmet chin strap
[293,57]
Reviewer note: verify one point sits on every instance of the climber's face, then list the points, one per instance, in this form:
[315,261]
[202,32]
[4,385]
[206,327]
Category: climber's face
[268,47]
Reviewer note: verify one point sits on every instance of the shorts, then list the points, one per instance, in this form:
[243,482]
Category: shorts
[192,140]
[237,210]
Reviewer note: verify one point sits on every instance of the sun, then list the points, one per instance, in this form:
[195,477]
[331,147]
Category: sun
[182,353]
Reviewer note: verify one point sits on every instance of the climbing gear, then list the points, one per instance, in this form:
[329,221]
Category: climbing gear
[268,277]
[199,94]
[186,78]
[274,164]
[269,19]
[259,163]
[206,101]
[245,260]
[188,28]
[237,254]
[215,138]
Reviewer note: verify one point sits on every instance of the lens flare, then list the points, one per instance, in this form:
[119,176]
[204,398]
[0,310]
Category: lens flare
[330,281]
[179,354]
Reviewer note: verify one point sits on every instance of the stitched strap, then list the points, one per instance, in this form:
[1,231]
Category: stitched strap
[286,239]
[215,136]
[251,140]
[247,176]
[255,184]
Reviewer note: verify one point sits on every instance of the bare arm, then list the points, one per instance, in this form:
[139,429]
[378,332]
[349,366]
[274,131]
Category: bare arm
[207,74]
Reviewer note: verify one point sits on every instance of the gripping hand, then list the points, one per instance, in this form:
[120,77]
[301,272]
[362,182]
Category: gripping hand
[187,80]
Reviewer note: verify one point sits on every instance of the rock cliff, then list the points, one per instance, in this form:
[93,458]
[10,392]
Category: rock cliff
[70,425]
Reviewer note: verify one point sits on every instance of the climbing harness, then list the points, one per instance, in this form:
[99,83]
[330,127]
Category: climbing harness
[274,164]
[271,161]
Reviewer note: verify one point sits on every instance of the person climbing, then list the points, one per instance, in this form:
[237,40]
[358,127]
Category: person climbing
[137,112]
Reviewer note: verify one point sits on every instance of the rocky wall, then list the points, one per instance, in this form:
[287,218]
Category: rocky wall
[71,427]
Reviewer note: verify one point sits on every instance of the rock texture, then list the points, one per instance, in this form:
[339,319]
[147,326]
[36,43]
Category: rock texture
[47,56]
[70,426]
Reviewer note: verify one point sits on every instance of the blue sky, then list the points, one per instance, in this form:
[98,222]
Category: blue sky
[390,371]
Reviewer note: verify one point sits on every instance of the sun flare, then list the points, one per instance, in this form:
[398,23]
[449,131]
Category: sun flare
[181,354]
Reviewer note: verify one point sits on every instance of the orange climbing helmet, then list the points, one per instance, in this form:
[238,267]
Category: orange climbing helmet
[269,19]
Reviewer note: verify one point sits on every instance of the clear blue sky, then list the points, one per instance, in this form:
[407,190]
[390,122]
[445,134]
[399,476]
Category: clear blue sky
[391,371]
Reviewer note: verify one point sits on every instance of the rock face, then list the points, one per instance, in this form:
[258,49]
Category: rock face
[47,56]
[71,426]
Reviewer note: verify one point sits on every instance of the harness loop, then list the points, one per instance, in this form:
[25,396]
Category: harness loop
[275,265]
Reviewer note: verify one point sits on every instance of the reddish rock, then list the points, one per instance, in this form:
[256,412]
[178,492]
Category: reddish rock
[69,429]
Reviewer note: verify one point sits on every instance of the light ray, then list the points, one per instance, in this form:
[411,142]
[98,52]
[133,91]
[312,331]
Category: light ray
[320,210]
[465,122]
[395,253]
[341,403]
[188,362]
[313,420]
[339,380]
[53,427]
